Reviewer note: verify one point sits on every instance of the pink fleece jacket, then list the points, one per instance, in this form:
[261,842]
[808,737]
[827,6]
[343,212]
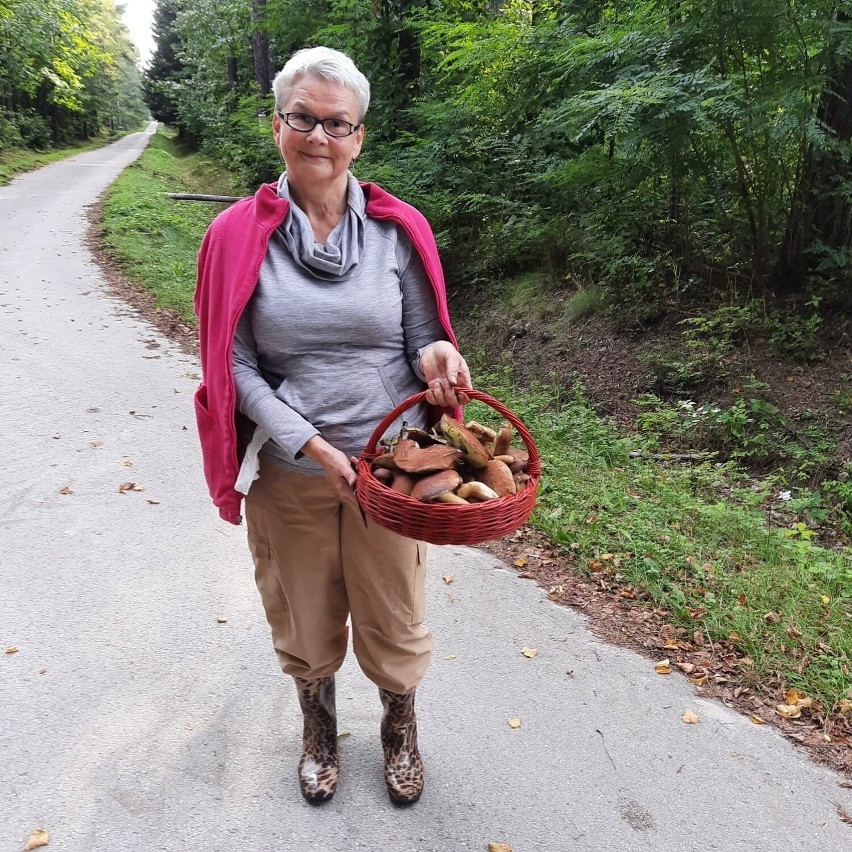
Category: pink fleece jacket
[229,262]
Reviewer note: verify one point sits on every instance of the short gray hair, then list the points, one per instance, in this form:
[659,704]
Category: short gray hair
[322,63]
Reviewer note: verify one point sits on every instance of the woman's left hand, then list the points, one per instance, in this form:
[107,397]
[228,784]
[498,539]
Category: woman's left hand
[445,370]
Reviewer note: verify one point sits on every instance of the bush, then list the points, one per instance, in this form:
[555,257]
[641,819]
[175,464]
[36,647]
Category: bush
[10,135]
[34,130]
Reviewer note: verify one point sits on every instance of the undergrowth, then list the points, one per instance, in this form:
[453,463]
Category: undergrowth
[692,540]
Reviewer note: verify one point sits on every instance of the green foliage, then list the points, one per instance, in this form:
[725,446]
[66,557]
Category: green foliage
[67,69]
[690,540]
[155,239]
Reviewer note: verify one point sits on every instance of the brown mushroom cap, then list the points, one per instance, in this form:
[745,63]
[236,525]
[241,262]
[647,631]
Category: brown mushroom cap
[430,487]
[460,436]
[497,476]
[402,483]
[411,458]
[521,458]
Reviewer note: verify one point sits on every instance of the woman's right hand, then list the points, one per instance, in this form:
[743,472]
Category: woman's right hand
[338,468]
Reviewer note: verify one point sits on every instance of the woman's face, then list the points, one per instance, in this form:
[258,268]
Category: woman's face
[316,160]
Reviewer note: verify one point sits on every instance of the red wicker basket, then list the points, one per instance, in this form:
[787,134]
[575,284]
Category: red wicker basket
[442,523]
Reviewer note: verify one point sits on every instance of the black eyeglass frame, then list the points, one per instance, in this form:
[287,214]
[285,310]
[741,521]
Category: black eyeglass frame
[285,117]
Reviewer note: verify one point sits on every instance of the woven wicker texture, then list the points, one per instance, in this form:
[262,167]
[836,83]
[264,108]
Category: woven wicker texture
[442,523]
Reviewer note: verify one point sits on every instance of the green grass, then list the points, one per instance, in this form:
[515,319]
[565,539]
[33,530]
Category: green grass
[19,160]
[154,238]
[690,541]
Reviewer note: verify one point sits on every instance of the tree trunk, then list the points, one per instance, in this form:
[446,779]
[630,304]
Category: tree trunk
[820,210]
[260,48]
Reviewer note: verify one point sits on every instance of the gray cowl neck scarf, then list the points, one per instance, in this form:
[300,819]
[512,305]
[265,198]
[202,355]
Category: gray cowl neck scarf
[345,245]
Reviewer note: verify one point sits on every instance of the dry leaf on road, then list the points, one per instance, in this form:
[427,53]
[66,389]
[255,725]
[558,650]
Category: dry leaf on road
[448,578]
[499,847]
[126,486]
[65,490]
[757,720]
[220,619]
[12,650]
[153,501]
[529,652]
[514,723]
[663,667]
[37,838]
[689,717]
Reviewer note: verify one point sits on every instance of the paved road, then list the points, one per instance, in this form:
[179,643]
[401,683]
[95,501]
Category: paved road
[132,718]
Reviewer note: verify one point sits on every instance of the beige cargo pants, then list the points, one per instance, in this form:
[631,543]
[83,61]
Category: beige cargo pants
[316,564]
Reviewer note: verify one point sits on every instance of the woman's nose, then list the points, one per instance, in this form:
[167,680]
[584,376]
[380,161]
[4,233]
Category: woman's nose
[317,133]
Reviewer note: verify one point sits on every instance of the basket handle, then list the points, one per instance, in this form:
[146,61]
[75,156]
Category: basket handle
[533,464]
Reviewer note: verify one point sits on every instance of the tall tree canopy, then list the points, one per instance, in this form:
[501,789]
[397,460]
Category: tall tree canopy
[655,146]
[67,69]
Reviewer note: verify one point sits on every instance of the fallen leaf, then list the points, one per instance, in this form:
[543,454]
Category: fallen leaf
[126,486]
[12,650]
[689,717]
[138,487]
[514,723]
[529,652]
[520,562]
[344,734]
[65,490]
[757,720]
[686,668]
[42,671]
[221,619]
[448,578]
[699,680]
[663,667]
[450,657]
[499,847]
[788,711]
[844,705]
[843,814]
[127,463]
[450,596]
[153,501]
[96,443]
[37,838]
[671,644]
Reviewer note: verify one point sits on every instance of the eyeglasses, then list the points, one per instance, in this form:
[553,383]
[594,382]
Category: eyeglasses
[304,123]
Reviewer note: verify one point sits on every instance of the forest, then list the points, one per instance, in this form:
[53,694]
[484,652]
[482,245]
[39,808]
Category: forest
[68,71]
[649,149]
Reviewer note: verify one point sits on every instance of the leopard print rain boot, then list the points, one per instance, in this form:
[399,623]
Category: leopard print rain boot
[403,765]
[319,767]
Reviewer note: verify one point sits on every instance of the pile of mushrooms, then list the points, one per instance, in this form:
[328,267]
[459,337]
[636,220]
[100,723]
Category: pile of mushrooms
[452,463]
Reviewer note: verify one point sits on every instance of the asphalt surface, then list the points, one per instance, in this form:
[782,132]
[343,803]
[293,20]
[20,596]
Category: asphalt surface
[144,710]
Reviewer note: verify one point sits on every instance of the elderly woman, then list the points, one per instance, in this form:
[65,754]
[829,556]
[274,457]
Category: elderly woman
[321,306]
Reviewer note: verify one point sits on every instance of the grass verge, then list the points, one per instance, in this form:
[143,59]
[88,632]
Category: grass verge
[19,160]
[153,238]
[691,541]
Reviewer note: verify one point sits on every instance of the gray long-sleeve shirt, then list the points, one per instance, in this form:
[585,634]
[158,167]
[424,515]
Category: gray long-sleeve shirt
[331,356]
